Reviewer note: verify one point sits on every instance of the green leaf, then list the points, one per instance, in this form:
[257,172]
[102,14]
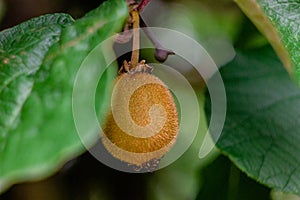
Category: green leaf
[280,23]
[275,195]
[261,133]
[22,51]
[41,134]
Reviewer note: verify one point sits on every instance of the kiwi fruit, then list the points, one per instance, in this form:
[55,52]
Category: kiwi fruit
[143,122]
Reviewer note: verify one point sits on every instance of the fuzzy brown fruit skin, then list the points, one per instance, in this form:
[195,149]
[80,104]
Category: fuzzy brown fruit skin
[138,148]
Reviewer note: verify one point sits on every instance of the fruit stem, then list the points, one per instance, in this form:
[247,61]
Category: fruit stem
[136,38]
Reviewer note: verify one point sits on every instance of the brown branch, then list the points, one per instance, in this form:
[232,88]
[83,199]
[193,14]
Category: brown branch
[143,4]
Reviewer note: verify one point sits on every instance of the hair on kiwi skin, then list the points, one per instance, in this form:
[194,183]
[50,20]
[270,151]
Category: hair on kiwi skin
[138,150]
[143,123]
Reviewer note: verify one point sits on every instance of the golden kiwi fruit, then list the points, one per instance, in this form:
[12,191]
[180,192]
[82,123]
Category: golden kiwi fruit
[143,122]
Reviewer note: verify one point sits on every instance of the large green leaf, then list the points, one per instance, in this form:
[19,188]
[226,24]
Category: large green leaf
[41,135]
[261,133]
[22,51]
[280,22]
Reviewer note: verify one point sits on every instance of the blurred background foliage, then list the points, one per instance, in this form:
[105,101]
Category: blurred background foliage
[221,28]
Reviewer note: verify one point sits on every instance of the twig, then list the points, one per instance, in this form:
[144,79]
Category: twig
[143,4]
[161,53]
